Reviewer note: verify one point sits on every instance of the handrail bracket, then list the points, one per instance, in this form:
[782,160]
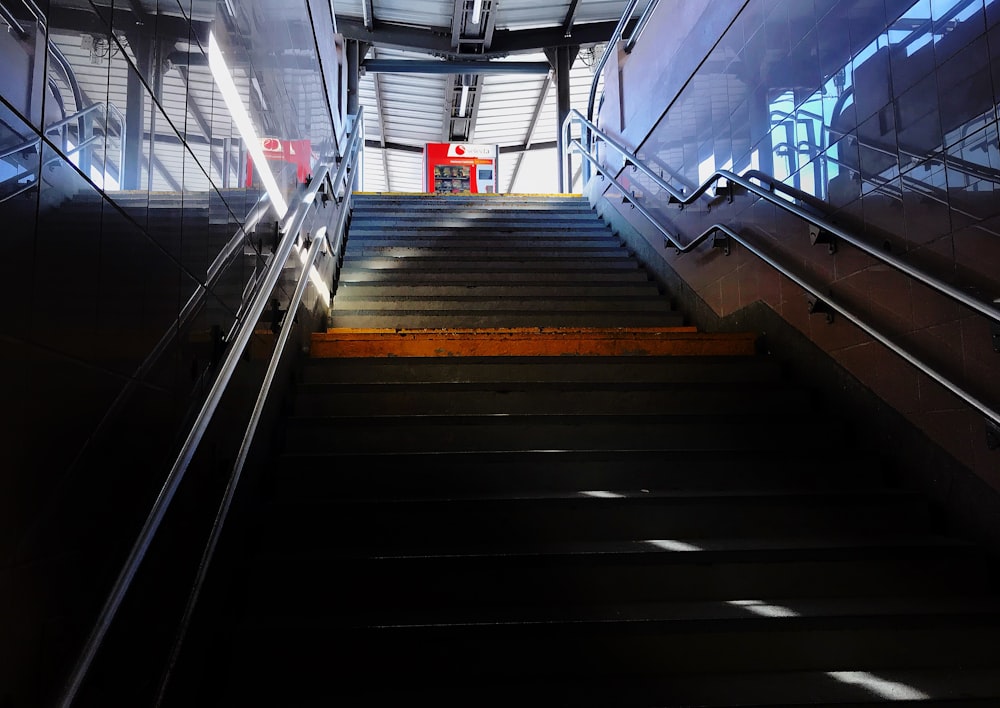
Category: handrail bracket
[817,306]
[721,240]
[729,189]
[819,235]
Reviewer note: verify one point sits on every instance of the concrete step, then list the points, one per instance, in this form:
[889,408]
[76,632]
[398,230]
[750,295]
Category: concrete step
[441,526]
[502,290]
[478,318]
[481,201]
[506,398]
[363,234]
[472,218]
[527,276]
[507,574]
[468,250]
[464,658]
[388,475]
[473,262]
[658,612]
[484,228]
[965,688]
[345,302]
[525,369]
[393,244]
[526,432]
[535,340]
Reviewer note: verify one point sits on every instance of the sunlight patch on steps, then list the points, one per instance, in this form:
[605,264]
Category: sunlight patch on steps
[673,545]
[759,607]
[883,688]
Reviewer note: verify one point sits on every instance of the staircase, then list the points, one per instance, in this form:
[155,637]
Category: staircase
[513,475]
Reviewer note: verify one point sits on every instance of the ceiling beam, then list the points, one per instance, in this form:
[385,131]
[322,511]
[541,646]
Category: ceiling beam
[436,66]
[504,149]
[438,40]
[490,19]
[570,18]
[533,40]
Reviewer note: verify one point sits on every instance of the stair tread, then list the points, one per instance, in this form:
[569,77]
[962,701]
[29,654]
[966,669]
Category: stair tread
[765,613]
[677,550]
[849,687]
[618,496]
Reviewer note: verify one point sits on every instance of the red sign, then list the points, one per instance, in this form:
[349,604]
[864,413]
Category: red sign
[297,152]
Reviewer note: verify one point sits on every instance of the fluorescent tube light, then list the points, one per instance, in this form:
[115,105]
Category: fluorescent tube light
[477,11]
[465,101]
[224,80]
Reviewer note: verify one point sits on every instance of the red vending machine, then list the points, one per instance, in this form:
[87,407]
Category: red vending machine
[460,168]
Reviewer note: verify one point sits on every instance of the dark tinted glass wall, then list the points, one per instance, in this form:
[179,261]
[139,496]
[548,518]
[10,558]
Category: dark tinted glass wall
[123,177]
[879,113]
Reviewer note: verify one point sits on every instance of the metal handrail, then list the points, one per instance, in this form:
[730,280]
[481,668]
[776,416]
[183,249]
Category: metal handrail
[352,151]
[640,25]
[616,35]
[599,67]
[678,197]
[291,227]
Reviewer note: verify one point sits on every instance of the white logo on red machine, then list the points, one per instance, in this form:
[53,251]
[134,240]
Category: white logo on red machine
[271,145]
[470,150]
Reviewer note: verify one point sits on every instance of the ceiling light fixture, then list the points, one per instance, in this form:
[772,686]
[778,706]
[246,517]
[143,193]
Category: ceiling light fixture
[465,101]
[231,96]
[477,11]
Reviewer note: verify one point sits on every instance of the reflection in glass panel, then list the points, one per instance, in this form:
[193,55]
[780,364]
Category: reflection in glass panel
[84,120]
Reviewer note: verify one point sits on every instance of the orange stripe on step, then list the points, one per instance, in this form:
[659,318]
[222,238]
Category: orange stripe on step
[669,341]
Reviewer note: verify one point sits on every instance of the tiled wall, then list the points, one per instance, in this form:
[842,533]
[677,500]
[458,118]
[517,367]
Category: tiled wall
[111,224]
[886,111]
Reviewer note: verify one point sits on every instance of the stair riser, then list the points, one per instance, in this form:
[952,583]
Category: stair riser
[307,478]
[487,655]
[506,318]
[641,433]
[473,278]
[470,219]
[605,290]
[472,265]
[418,247]
[488,229]
[339,585]
[581,305]
[441,527]
[460,253]
[599,370]
[671,402]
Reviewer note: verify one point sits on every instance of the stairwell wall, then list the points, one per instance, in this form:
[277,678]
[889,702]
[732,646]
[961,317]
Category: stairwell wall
[883,111]
[103,249]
